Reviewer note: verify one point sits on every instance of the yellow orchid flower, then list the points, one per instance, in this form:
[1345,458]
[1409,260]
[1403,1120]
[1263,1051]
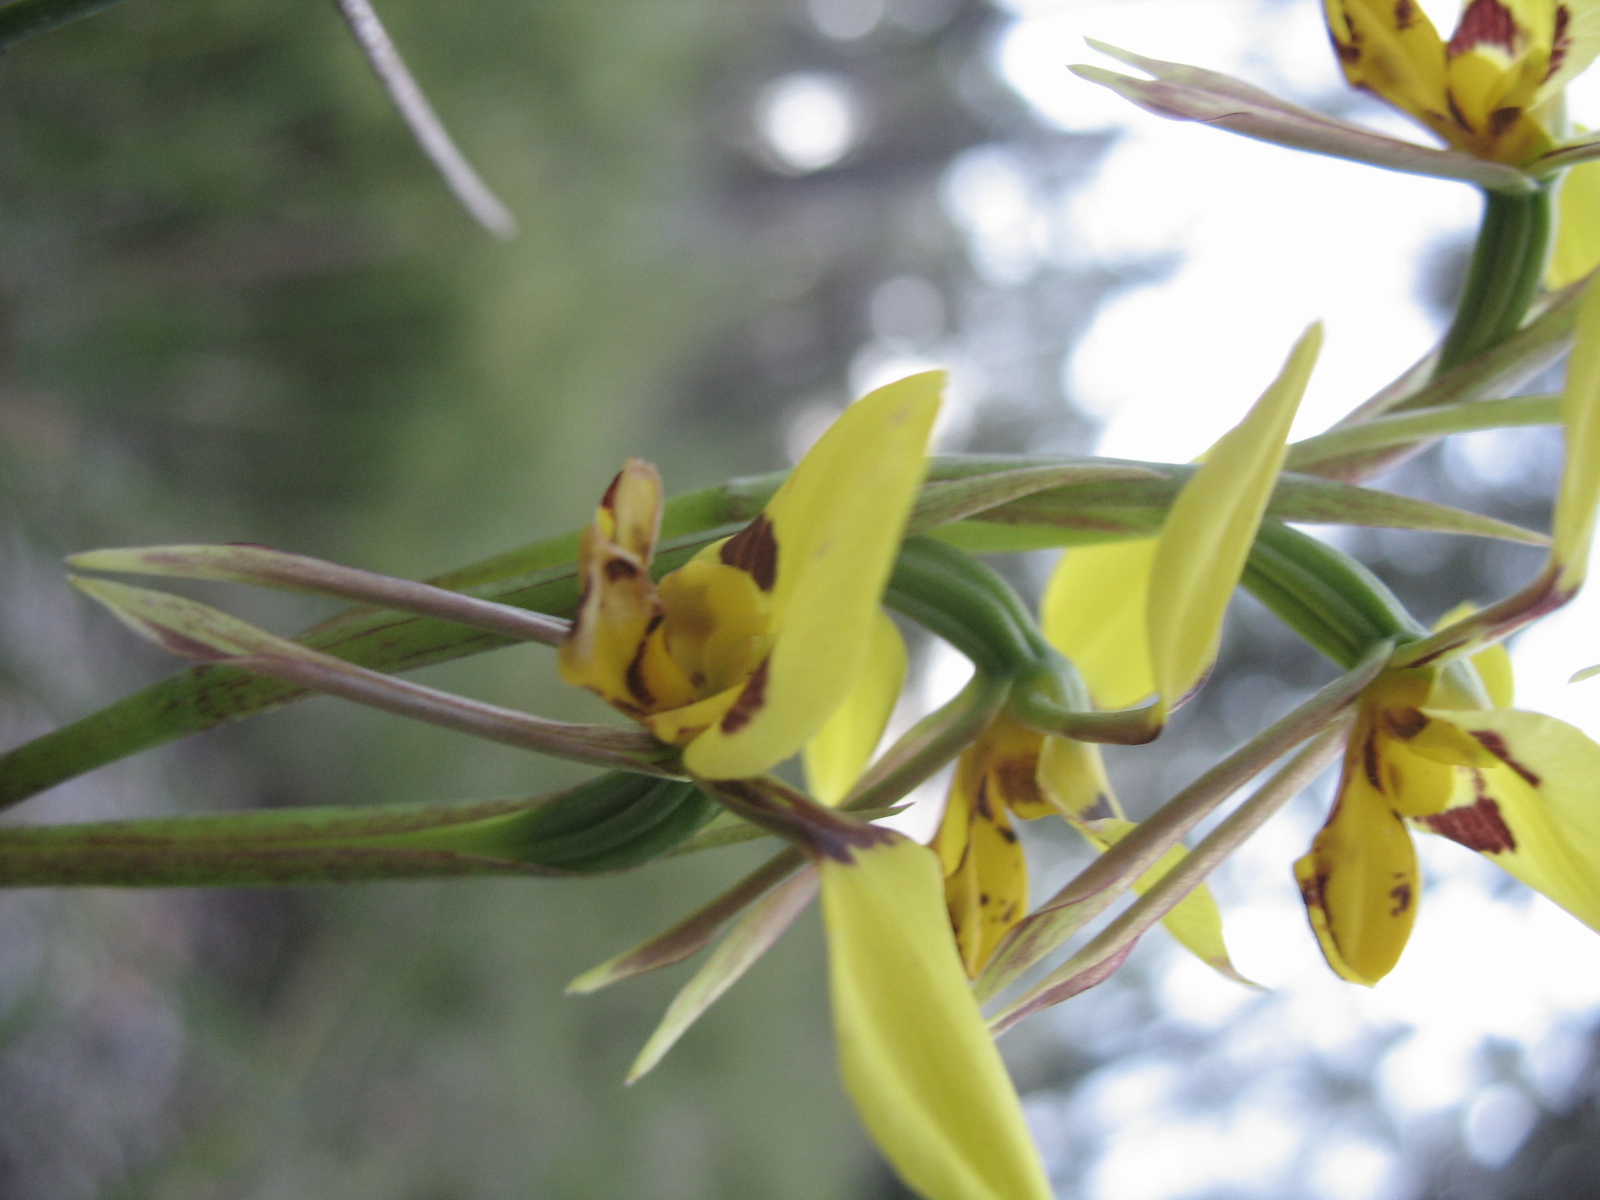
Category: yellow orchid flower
[1493,90]
[742,654]
[1013,771]
[1515,786]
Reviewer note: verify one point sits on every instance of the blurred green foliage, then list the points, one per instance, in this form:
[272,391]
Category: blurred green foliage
[235,304]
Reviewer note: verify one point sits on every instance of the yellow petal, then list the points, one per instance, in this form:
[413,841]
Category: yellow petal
[1209,531]
[1393,50]
[835,758]
[1093,612]
[1580,479]
[1577,243]
[1536,814]
[1073,776]
[1360,882]
[610,648]
[914,1051]
[1196,921]
[832,532]
[1580,37]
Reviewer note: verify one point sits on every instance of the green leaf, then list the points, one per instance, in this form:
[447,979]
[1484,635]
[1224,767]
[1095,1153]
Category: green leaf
[745,943]
[695,932]
[611,822]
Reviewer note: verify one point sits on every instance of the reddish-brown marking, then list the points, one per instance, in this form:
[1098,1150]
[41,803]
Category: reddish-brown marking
[1348,52]
[1477,827]
[609,500]
[983,898]
[618,569]
[1016,777]
[1314,890]
[1496,745]
[754,551]
[1401,895]
[1560,41]
[634,678]
[1404,723]
[1485,22]
[980,803]
[1405,15]
[1008,833]
[1457,115]
[1502,119]
[749,703]
[1369,760]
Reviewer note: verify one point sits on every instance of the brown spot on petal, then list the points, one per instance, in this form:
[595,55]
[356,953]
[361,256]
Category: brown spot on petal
[1405,15]
[749,703]
[1016,777]
[634,678]
[1502,119]
[1496,745]
[1314,889]
[1484,23]
[1477,827]
[1007,832]
[1404,723]
[754,551]
[980,803]
[1560,41]
[1401,895]
[1348,52]
[609,500]
[1369,760]
[1456,115]
[618,569]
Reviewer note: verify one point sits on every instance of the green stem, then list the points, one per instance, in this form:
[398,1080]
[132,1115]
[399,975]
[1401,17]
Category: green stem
[1507,265]
[25,18]
[1423,424]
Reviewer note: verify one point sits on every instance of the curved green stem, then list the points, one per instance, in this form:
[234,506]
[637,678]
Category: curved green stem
[1507,264]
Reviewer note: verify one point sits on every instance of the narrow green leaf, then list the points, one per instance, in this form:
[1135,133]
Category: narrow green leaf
[192,630]
[1421,425]
[1574,519]
[692,934]
[265,567]
[609,823]
[745,943]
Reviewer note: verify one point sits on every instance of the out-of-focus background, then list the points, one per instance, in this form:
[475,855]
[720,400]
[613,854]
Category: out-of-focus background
[235,304]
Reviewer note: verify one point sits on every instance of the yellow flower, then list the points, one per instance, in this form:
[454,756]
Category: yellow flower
[1515,786]
[743,653]
[1494,89]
